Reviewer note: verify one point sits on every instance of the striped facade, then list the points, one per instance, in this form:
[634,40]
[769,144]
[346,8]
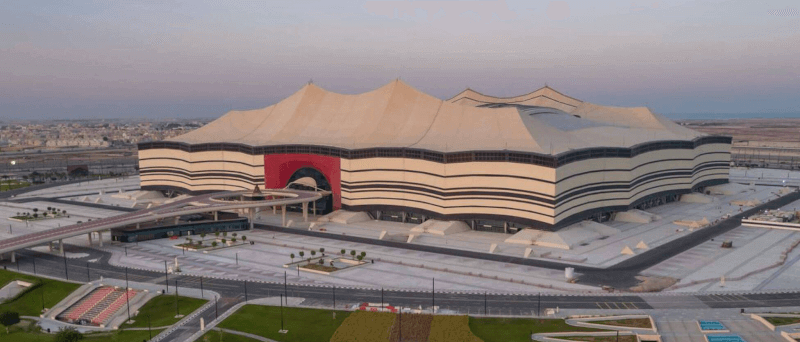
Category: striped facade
[540,160]
[505,186]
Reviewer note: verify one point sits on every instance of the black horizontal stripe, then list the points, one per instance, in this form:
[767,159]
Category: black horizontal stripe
[523,157]
[476,196]
[194,174]
[643,179]
[640,165]
[163,180]
[687,186]
[444,207]
[202,161]
[195,178]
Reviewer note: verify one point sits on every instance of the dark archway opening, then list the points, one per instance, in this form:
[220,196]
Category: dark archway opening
[324,204]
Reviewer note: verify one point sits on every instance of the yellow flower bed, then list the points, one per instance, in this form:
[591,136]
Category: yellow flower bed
[451,328]
[362,326]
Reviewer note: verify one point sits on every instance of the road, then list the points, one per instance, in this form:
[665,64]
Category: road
[205,203]
[530,304]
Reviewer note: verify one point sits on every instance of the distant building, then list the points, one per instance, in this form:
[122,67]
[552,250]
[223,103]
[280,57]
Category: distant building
[542,159]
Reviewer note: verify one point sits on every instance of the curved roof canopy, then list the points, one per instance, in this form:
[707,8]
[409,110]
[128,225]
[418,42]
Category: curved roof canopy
[398,115]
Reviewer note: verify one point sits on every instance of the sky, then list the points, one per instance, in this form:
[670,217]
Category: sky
[188,59]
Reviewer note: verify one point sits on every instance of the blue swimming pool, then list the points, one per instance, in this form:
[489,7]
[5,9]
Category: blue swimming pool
[724,338]
[711,325]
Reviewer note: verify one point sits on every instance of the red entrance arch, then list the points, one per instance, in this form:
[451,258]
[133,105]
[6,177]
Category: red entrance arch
[279,167]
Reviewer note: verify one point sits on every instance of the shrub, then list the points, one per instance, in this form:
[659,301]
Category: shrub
[69,334]
[9,318]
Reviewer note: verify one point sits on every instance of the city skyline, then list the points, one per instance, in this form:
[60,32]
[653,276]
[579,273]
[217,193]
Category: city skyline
[109,60]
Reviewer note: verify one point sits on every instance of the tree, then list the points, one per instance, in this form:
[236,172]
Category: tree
[35,210]
[69,334]
[225,234]
[49,208]
[353,254]
[216,234]
[291,256]
[343,252]
[313,253]
[214,244]
[35,215]
[9,318]
[44,214]
[360,257]
[233,240]
[234,234]
[244,238]
[63,212]
[302,254]
[199,243]
[224,240]
[322,251]
[203,235]
[363,254]
[321,261]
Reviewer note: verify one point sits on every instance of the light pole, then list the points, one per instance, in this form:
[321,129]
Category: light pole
[177,311]
[282,313]
[127,298]
[433,293]
[166,278]
[66,273]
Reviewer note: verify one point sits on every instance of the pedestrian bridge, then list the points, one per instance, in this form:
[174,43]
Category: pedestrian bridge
[214,202]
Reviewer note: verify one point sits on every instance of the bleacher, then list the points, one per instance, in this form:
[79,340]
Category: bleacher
[97,307]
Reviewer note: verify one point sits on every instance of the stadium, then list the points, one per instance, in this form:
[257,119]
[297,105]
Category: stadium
[542,160]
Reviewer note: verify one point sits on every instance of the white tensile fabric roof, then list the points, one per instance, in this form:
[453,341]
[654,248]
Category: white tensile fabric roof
[397,115]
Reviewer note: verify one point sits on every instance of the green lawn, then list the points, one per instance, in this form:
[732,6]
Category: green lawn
[19,334]
[162,311]
[517,329]
[782,320]
[11,185]
[218,336]
[303,324]
[30,304]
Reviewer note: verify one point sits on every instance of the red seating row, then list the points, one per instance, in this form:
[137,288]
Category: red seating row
[88,303]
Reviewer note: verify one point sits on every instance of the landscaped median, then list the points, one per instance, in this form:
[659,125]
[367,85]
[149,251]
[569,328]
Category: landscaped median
[307,324]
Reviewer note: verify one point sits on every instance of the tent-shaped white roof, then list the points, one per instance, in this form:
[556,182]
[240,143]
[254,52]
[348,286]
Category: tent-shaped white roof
[397,115]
